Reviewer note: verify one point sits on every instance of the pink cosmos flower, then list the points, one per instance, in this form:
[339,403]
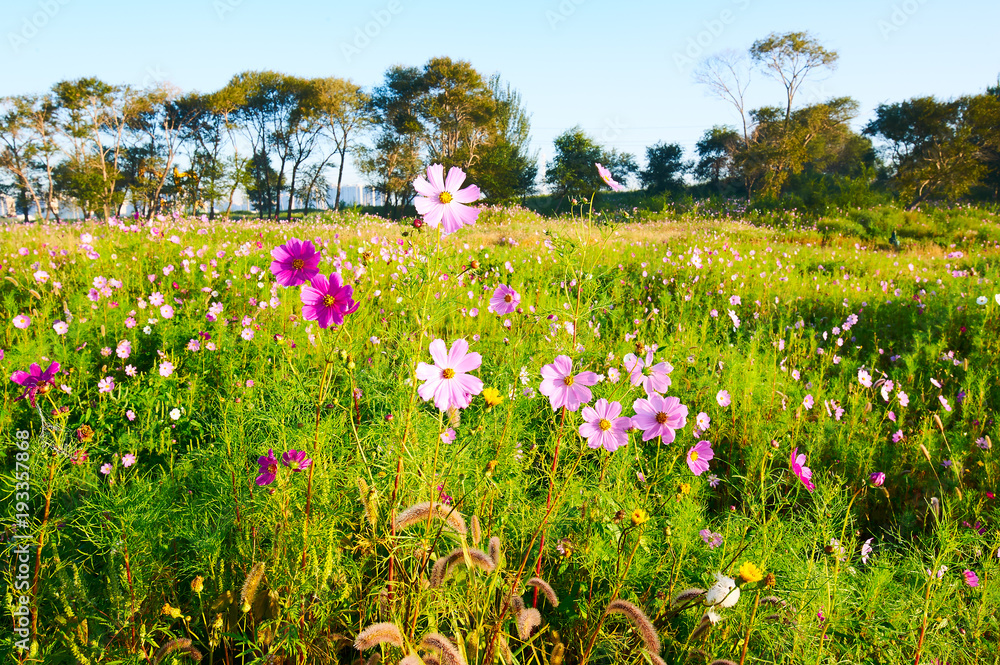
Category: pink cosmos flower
[448,436]
[698,457]
[711,539]
[802,472]
[296,460]
[106,468]
[167,312]
[504,301]
[659,416]
[604,427]
[563,388]
[877,478]
[128,459]
[268,468]
[607,178]
[866,550]
[130,414]
[703,421]
[35,381]
[447,381]
[106,385]
[327,301]
[296,262]
[22,322]
[440,201]
[808,402]
[166,368]
[654,378]
[723,398]
[971,578]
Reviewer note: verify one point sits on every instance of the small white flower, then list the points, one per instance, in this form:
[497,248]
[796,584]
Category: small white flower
[982,300]
[175,414]
[724,593]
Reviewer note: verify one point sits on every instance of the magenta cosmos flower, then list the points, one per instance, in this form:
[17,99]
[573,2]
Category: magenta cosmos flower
[296,262]
[802,472]
[327,301]
[563,388]
[971,578]
[698,457]
[654,378]
[35,381]
[659,416]
[440,201]
[606,177]
[504,300]
[605,427]
[447,381]
[296,460]
[268,468]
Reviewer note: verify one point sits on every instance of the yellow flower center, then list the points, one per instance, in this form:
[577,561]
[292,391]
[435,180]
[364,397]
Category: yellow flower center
[661,417]
[445,197]
[605,424]
[568,380]
[448,373]
[694,455]
[328,301]
[298,264]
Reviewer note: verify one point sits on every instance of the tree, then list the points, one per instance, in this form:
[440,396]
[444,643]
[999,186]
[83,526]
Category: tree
[24,149]
[727,76]
[790,58]
[457,108]
[342,107]
[931,146]
[665,168]
[505,170]
[983,116]
[716,149]
[572,171]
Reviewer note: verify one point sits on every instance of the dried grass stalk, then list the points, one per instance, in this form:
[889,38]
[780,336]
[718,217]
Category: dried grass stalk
[170,647]
[377,633]
[252,583]
[641,622]
[686,595]
[544,587]
[450,655]
[477,530]
[528,620]
[421,512]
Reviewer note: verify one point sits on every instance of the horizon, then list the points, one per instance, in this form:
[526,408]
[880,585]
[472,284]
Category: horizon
[370,37]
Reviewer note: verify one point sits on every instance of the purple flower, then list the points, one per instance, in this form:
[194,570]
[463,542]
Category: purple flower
[698,457]
[296,460]
[563,388]
[713,480]
[877,478]
[604,427]
[327,301]
[35,381]
[504,301]
[711,539]
[296,262]
[659,416]
[802,472]
[268,468]
[971,578]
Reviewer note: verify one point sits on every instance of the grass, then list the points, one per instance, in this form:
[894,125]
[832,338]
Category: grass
[184,545]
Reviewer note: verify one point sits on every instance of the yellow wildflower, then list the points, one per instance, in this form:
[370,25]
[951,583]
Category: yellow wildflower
[492,396]
[750,573]
[639,516]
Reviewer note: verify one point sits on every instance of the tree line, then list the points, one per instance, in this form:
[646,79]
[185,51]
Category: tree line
[99,146]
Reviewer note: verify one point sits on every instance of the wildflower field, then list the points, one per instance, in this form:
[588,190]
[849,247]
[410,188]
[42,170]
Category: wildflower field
[527,440]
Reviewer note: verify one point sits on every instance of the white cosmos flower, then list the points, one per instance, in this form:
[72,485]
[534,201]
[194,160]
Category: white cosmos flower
[981,300]
[724,593]
[175,414]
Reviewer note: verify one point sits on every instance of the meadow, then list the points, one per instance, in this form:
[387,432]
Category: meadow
[696,439]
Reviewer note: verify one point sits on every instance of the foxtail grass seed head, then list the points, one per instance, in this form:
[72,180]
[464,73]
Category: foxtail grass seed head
[494,551]
[700,631]
[544,587]
[558,654]
[193,654]
[412,659]
[656,659]
[421,512]
[369,499]
[378,633]
[722,661]
[528,620]
[516,604]
[686,595]
[169,648]
[772,600]
[442,567]
[376,659]
[477,531]
[641,622]
[450,654]
[250,586]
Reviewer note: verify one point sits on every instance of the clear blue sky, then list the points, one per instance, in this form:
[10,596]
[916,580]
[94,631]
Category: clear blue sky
[611,67]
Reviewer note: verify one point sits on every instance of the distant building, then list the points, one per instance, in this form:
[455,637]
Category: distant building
[355,195]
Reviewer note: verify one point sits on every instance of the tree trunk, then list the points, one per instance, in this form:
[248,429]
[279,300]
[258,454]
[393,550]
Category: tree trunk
[340,176]
[291,190]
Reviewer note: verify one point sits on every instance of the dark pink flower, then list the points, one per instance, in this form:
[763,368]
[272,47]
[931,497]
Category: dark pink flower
[698,457]
[504,301]
[563,388]
[35,381]
[268,468]
[296,460]
[441,202]
[296,262]
[604,426]
[447,381]
[659,416]
[802,472]
[327,301]
[877,478]
[971,578]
